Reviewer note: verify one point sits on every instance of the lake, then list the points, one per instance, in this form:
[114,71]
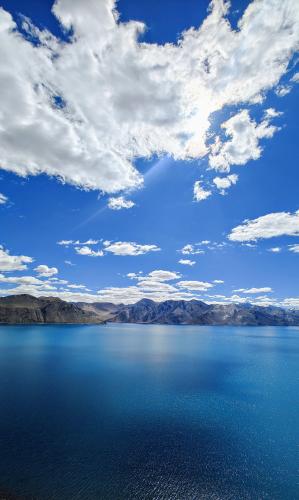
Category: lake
[149,412]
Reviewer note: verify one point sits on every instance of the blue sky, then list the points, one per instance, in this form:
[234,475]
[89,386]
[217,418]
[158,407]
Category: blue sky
[154,149]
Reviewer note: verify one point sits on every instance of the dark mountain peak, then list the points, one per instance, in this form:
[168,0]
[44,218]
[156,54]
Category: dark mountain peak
[145,302]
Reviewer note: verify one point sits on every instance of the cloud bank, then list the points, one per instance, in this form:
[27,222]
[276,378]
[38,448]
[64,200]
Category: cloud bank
[83,110]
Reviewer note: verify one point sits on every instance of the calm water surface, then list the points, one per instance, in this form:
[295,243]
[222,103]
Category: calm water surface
[149,412]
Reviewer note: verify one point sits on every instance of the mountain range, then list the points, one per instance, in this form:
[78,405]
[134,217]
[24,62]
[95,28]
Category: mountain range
[26,309]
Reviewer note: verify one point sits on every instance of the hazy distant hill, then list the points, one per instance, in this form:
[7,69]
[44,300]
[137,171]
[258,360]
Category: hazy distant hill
[27,309]
[103,310]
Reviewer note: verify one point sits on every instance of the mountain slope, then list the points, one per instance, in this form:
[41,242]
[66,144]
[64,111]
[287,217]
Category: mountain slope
[105,311]
[26,309]
[195,312]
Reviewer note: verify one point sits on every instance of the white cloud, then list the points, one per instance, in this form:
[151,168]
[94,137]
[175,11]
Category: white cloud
[195,285]
[87,242]
[78,287]
[83,110]
[199,192]
[156,286]
[292,302]
[129,248]
[223,183]
[22,280]
[243,143]
[131,294]
[45,271]
[191,250]
[195,248]
[13,262]
[274,249]
[295,78]
[294,248]
[69,263]
[265,289]
[86,250]
[132,276]
[218,282]
[56,281]
[267,226]
[120,203]
[161,275]
[282,90]
[67,243]
[3,199]
[272,113]
[187,262]
[158,275]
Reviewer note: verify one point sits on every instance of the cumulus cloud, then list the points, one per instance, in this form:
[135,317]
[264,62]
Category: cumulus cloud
[272,113]
[13,262]
[292,302]
[243,143]
[282,90]
[187,262]
[116,248]
[161,275]
[129,248]
[267,226]
[83,110]
[195,285]
[45,271]
[86,250]
[294,248]
[153,285]
[21,280]
[223,183]
[3,199]
[190,249]
[132,294]
[199,192]
[120,203]
[265,289]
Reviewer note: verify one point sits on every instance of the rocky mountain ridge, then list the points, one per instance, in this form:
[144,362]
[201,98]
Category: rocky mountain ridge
[195,312]
[26,309]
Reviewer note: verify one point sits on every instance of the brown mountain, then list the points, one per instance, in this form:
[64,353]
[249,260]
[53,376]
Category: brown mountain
[26,309]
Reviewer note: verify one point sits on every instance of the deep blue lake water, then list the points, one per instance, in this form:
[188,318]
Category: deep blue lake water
[149,412]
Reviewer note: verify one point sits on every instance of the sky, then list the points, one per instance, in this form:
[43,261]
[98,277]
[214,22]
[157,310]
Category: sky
[149,149]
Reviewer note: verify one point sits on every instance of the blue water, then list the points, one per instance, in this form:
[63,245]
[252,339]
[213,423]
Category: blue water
[149,412]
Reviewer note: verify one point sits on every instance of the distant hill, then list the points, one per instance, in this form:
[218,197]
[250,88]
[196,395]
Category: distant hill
[26,309]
